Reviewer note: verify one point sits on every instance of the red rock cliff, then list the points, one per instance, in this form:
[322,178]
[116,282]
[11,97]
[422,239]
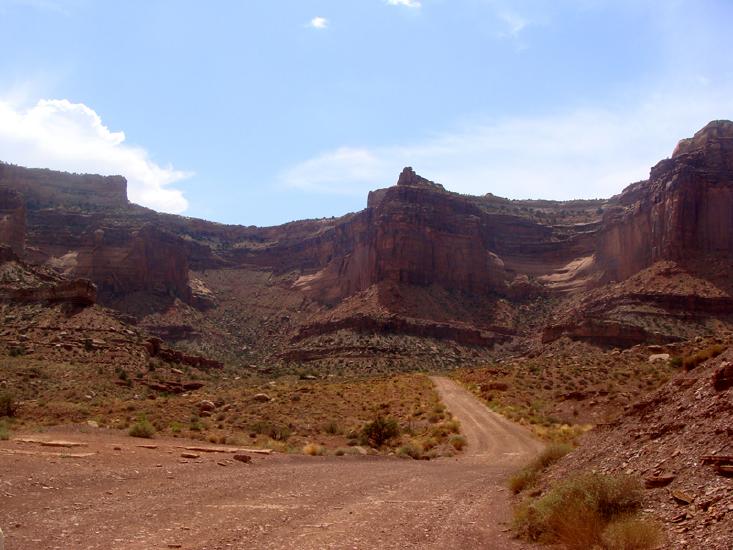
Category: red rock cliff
[684,210]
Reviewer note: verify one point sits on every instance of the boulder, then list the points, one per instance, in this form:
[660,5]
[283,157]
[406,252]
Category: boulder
[261,398]
[723,376]
[206,406]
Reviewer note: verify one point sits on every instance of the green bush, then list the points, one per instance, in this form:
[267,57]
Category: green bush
[142,428]
[576,512]
[380,430]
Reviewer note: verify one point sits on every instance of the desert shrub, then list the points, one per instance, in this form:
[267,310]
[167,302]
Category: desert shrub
[429,443]
[524,478]
[527,476]
[411,449]
[453,426]
[278,432]
[691,361]
[142,428]
[458,442]
[340,452]
[277,446]
[631,534]
[552,453]
[314,449]
[332,428]
[196,425]
[176,427]
[8,406]
[676,361]
[16,351]
[576,512]
[4,431]
[380,430]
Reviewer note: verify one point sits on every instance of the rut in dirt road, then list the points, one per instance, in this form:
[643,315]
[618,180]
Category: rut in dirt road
[279,501]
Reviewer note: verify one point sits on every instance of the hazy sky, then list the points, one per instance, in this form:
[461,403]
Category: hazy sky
[264,111]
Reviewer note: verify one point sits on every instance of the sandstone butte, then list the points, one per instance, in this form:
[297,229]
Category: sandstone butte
[649,265]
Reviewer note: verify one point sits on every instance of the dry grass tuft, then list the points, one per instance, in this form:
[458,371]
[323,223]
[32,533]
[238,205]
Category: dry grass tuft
[527,476]
[458,442]
[632,534]
[314,449]
[411,449]
[576,513]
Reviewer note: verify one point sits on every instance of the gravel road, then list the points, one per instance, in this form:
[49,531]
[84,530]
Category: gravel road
[111,493]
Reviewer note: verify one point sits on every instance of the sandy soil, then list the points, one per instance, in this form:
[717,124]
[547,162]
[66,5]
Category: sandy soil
[111,493]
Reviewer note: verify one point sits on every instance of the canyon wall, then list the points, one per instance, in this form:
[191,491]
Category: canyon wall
[414,234]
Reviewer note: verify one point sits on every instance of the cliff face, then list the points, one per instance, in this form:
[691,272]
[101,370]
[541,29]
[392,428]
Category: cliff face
[85,227]
[684,210]
[43,188]
[416,233]
[417,256]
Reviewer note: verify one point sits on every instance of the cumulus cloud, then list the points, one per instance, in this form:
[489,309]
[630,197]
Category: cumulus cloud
[318,23]
[406,3]
[59,134]
[583,153]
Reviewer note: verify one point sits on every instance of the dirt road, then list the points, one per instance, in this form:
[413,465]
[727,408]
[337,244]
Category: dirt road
[113,494]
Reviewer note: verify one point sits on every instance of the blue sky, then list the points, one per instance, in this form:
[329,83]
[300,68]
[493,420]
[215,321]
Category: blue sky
[261,112]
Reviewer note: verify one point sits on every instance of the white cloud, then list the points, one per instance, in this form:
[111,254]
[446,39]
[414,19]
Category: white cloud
[318,23]
[514,23]
[406,3]
[583,153]
[68,136]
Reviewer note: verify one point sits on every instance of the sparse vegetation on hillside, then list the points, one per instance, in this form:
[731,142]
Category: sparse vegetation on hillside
[691,361]
[568,389]
[292,413]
